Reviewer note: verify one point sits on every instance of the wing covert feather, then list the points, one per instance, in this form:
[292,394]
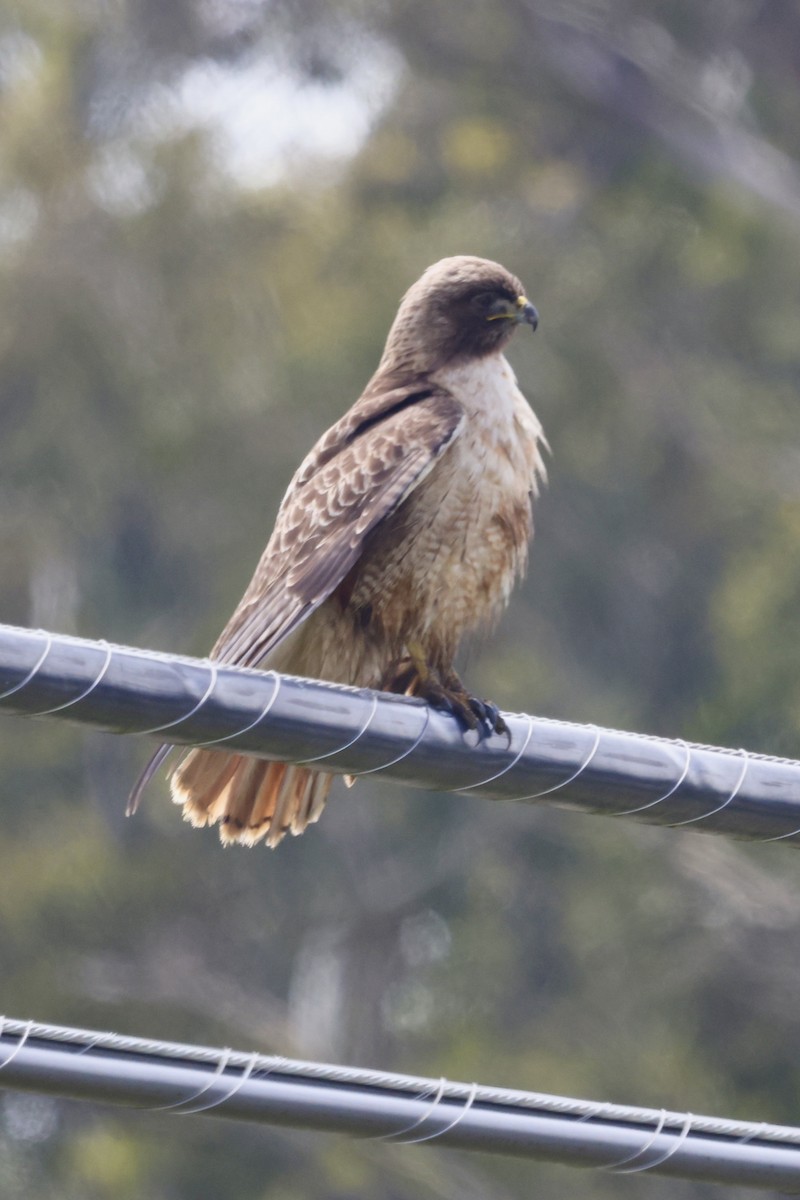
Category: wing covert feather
[331,506]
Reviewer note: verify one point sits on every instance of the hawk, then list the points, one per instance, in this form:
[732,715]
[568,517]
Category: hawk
[403,530]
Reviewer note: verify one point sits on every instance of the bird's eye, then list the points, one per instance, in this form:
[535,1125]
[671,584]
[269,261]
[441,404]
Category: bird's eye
[484,300]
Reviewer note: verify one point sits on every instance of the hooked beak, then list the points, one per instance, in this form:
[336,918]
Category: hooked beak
[526,314]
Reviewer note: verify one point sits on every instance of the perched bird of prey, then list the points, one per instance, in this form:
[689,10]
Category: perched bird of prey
[403,530]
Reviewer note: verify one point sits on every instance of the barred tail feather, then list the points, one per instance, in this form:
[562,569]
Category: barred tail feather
[248,798]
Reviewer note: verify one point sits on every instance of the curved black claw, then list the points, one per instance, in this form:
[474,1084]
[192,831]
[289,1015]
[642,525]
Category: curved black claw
[472,712]
[488,715]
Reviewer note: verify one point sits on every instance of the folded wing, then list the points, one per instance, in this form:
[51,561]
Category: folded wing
[330,508]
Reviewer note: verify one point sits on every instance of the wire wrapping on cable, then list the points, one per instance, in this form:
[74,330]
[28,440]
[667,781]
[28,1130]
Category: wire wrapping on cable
[23,1037]
[575,774]
[303,762]
[252,725]
[406,753]
[662,1158]
[34,671]
[437,1133]
[212,682]
[397,1134]
[628,812]
[87,691]
[616,1167]
[237,1083]
[725,803]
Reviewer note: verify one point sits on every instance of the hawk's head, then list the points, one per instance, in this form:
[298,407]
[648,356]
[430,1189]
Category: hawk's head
[462,307]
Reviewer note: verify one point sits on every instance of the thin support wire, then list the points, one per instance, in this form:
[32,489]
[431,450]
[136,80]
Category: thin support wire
[252,725]
[32,673]
[616,1167]
[87,691]
[178,1105]
[399,1134]
[629,812]
[217,1102]
[357,736]
[557,787]
[406,753]
[213,670]
[437,1133]
[725,803]
[668,1153]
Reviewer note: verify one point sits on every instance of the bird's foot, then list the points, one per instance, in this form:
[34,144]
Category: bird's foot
[471,709]
[488,715]
[412,676]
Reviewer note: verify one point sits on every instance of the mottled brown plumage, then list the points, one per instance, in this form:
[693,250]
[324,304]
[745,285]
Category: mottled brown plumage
[402,530]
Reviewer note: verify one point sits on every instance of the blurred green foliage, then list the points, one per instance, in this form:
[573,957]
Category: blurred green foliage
[173,336]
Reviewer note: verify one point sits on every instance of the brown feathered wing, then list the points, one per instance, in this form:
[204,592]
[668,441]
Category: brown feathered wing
[354,478]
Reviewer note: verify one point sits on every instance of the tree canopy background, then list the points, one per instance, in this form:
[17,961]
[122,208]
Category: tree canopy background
[208,213]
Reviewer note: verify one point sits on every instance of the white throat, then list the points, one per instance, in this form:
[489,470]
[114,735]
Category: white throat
[484,385]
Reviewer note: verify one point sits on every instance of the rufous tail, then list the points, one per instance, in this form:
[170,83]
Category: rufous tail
[248,798]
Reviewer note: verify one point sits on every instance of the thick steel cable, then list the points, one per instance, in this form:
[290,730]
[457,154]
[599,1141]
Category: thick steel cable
[355,731]
[170,1078]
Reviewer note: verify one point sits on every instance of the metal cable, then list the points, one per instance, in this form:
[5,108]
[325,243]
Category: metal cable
[183,1079]
[354,731]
